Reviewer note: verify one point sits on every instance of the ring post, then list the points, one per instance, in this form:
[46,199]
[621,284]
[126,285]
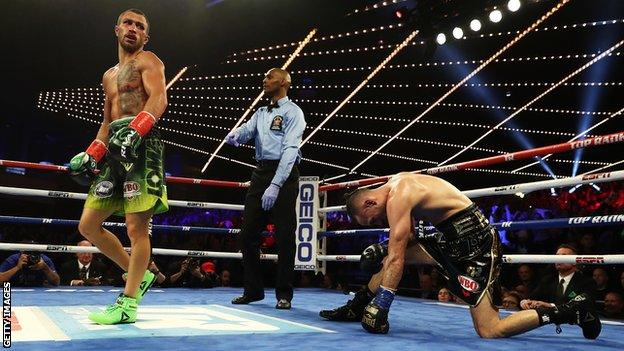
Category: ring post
[321,266]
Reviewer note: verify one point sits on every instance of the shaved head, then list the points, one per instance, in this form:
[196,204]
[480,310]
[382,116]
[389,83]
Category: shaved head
[276,83]
[282,73]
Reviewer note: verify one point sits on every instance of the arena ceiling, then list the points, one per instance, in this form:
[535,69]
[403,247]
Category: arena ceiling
[560,81]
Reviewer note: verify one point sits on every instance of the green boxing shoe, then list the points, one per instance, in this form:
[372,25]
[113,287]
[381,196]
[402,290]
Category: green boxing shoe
[124,310]
[148,280]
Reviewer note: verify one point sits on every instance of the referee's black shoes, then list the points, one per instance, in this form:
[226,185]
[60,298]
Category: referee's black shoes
[283,304]
[245,299]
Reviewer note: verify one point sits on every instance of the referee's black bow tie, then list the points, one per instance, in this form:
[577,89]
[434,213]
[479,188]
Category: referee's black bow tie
[272,106]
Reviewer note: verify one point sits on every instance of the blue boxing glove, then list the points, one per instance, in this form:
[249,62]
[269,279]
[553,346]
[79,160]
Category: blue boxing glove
[375,318]
[232,138]
[269,197]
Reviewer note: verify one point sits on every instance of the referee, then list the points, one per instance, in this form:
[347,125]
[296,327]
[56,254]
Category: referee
[272,195]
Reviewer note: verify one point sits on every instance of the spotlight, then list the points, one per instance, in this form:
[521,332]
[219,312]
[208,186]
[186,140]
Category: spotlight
[475,25]
[520,195]
[458,33]
[496,16]
[513,5]
[573,189]
[553,192]
[595,186]
[401,13]
[441,39]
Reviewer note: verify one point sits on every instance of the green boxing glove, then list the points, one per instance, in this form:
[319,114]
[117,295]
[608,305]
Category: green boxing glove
[123,145]
[82,167]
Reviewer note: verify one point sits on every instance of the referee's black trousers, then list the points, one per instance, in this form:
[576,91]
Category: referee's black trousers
[255,219]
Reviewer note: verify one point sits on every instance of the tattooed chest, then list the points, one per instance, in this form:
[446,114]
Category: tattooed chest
[131,93]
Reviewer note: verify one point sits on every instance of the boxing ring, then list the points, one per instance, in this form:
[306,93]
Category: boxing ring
[178,318]
[191,319]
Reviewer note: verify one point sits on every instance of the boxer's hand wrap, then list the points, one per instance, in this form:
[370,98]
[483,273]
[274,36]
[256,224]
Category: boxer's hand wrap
[372,257]
[82,166]
[375,318]
[124,143]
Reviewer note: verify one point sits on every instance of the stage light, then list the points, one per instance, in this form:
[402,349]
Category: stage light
[475,25]
[441,39]
[513,5]
[401,13]
[573,189]
[496,16]
[458,33]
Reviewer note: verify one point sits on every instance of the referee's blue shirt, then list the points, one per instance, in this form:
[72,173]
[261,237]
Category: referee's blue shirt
[277,135]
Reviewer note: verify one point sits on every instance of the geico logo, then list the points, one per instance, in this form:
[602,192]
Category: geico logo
[306,197]
[305,230]
[308,267]
[304,248]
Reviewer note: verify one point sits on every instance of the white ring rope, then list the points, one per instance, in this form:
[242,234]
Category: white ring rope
[93,249]
[525,187]
[81,196]
[570,259]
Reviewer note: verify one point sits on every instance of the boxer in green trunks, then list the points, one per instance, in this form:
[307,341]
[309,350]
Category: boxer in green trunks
[141,188]
[130,154]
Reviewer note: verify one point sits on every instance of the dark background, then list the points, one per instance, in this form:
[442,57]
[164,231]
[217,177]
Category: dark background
[55,52]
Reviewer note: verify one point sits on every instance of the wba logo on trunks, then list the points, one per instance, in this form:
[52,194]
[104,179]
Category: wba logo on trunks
[131,189]
[277,122]
[103,189]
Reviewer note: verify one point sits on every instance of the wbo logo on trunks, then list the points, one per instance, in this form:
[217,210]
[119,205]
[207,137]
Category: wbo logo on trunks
[468,284]
[103,189]
[277,122]
[131,189]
